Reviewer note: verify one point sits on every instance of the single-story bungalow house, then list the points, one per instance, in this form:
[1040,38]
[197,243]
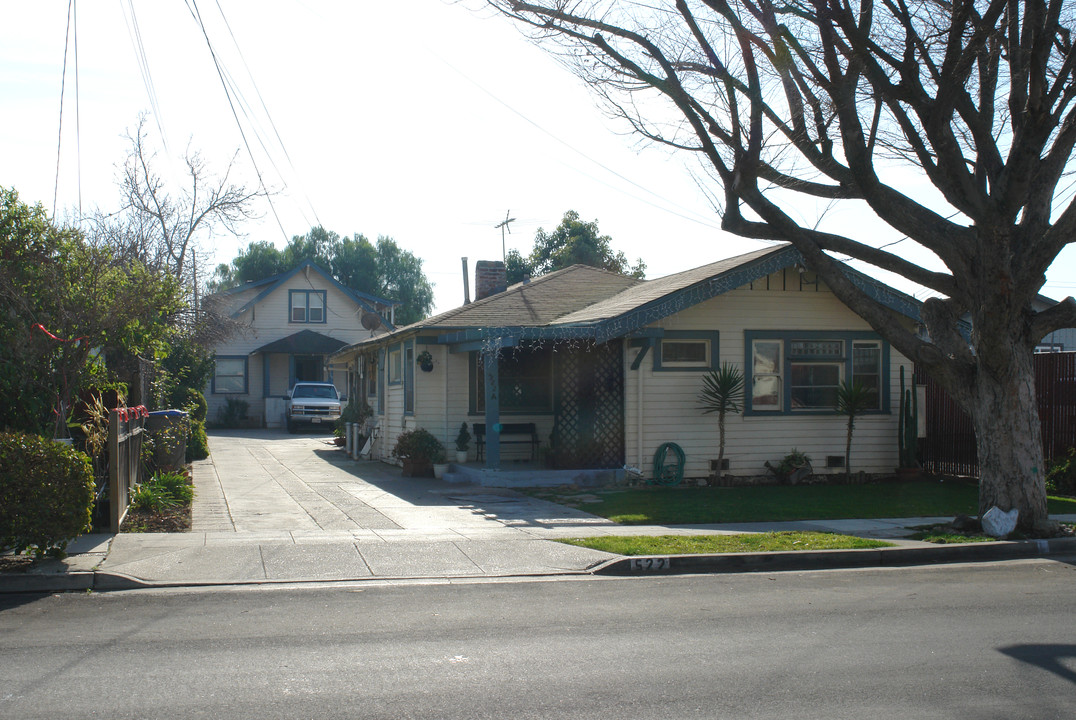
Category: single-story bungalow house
[609,368]
[289,324]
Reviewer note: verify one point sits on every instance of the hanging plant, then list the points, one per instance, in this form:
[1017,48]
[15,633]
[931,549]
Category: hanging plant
[425,361]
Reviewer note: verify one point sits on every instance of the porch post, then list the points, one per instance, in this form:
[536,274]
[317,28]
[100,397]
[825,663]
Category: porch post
[493,410]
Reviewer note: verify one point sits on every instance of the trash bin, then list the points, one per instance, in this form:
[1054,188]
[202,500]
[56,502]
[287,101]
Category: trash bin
[167,429]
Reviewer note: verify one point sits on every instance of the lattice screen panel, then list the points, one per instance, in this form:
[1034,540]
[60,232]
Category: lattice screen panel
[589,406]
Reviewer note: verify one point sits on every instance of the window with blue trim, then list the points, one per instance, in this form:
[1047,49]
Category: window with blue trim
[686,350]
[409,379]
[230,375]
[794,372]
[381,381]
[306,306]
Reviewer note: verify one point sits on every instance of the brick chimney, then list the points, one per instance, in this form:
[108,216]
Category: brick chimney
[490,278]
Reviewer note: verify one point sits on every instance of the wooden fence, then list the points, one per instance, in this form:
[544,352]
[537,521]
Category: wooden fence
[949,445]
[125,429]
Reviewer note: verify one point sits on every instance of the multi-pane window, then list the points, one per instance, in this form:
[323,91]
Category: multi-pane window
[306,306]
[230,375]
[794,372]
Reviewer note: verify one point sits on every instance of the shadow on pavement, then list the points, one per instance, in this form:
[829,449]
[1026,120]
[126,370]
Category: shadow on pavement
[1045,657]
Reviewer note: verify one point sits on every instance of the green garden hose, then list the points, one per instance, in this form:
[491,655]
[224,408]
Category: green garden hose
[668,471]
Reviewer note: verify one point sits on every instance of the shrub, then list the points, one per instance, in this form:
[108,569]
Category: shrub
[197,442]
[163,491]
[151,498]
[233,412]
[46,494]
[419,446]
[1061,475]
[195,404]
[176,485]
[356,411]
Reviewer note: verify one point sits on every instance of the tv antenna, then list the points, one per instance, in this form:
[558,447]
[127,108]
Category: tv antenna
[503,225]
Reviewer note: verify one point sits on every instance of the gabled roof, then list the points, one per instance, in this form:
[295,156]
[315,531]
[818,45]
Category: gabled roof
[585,302]
[366,301]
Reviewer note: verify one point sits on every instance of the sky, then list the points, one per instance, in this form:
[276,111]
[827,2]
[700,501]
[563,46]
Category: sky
[426,121]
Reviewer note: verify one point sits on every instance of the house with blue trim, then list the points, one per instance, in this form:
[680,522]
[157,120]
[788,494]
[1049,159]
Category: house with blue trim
[287,326]
[608,369]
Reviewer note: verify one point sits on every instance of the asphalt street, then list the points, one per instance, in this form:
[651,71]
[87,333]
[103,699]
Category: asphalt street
[991,640]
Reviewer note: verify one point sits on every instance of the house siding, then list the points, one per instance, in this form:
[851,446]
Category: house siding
[669,400]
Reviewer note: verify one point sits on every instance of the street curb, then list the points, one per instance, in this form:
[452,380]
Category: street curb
[834,559]
[80,581]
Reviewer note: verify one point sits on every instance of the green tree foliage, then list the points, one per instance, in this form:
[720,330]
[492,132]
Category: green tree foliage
[573,242]
[383,269]
[99,304]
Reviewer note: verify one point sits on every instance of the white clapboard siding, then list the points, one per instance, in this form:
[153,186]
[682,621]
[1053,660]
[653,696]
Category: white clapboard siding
[669,409]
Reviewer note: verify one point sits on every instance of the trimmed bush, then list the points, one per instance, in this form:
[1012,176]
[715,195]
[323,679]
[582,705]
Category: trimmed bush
[46,494]
[197,442]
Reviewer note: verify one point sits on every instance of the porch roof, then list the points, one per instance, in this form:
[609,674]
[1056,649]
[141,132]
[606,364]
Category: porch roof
[304,342]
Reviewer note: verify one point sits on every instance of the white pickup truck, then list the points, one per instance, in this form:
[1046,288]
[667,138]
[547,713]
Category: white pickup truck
[311,403]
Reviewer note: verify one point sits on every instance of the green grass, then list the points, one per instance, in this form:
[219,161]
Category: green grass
[950,538]
[708,544]
[666,506]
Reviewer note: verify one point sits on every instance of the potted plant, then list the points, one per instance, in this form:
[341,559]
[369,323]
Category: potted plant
[793,467]
[424,361]
[418,450]
[463,441]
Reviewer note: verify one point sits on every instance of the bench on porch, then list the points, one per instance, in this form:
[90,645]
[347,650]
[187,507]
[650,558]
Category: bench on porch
[526,433]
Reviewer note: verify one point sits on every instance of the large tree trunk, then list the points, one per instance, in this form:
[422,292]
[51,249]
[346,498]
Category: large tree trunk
[1009,437]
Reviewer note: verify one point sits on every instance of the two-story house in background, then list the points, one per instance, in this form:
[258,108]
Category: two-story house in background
[289,324]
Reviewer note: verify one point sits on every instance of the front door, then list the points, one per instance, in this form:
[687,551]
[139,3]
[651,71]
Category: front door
[308,368]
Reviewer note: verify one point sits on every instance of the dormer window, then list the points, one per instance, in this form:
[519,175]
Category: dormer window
[306,306]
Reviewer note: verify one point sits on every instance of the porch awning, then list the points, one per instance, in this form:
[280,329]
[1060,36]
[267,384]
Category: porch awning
[304,342]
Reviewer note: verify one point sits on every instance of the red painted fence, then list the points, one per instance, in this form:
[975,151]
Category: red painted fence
[949,445]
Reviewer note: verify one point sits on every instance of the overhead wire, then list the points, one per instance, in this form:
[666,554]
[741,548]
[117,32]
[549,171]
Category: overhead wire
[192,6]
[584,155]
[268,115]
[63,85]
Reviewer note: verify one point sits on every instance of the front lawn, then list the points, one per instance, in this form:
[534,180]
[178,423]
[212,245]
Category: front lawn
[680,506]
[709,544]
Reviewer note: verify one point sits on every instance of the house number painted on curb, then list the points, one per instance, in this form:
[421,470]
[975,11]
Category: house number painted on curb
[650,564]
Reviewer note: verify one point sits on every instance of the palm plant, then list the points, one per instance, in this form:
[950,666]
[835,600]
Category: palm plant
[853,399]
[722,393]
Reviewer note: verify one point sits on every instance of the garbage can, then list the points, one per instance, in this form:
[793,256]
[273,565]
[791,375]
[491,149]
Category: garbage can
[167,430]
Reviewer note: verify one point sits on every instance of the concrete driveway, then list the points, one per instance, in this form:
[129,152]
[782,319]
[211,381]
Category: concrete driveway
[268,481]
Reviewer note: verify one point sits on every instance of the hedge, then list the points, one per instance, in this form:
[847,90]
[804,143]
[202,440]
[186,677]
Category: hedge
[46,494]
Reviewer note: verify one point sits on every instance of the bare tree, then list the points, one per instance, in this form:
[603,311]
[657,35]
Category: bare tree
[832,100]
[162,228]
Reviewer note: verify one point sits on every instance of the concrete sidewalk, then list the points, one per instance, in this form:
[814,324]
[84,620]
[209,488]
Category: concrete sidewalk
[273,508]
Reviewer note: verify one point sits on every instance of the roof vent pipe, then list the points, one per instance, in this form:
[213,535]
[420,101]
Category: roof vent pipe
[466,284]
